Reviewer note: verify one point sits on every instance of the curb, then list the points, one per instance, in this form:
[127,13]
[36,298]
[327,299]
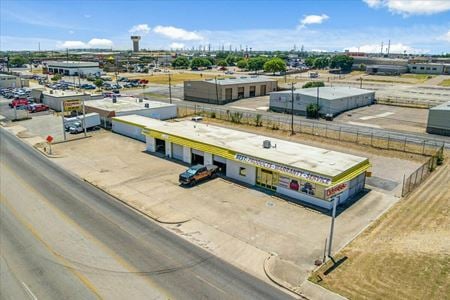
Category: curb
[277,281]
[134,208]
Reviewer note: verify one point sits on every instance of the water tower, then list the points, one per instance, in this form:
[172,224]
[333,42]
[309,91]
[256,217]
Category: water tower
[135,39]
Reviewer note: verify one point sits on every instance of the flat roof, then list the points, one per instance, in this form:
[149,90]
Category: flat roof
[329,93]
[60,93]
[308,158]
[68,64]
[238,80]
[7,76]
[126,104]
[388,66]
[443,106]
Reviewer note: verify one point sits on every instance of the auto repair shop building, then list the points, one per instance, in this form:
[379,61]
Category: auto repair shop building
[331,100]
[305,173]
[225,90]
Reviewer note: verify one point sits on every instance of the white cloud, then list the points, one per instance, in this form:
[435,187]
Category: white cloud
[394,48]
[100,43]
[93,43]
[445,37]
[176,45]
[411,7]
[141,29]
[71,32]
[87,16]
[177,33]
[313,19]
[73,44]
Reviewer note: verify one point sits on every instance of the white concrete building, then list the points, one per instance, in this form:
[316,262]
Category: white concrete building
[124,105]
[11,81]
[73,68]
[308,174]
[54,98]
[331,100]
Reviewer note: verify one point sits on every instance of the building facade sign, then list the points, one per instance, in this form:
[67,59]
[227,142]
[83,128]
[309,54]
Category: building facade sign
[284,169]
[336,190]
[70,105]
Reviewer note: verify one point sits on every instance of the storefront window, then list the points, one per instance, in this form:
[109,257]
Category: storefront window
[242,171]
[301,186]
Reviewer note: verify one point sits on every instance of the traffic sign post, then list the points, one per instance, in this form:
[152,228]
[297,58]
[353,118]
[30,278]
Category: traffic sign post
[49,141]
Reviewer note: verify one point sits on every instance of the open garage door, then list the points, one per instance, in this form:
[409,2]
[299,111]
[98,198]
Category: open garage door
[197,157]
[221,163]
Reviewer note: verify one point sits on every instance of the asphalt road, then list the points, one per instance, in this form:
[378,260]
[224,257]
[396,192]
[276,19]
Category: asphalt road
[61,238]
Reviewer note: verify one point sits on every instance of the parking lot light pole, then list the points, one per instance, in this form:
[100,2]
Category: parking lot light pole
[84,120]
[62,117]
[170,89]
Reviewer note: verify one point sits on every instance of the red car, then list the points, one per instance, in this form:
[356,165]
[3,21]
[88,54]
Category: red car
[37,107]
[18,102]
[143,81]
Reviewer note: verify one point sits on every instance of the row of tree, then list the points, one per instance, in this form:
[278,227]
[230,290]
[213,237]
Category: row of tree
[342,62]
[252,64]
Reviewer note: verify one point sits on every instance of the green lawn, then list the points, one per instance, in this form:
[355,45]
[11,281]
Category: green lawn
[445,82]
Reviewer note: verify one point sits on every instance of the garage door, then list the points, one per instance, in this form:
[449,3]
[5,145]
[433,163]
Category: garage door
[177,151]
[219,159]
[198,152]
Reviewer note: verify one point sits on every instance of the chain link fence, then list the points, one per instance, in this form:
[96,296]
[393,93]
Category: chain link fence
[418,176]
[369,137]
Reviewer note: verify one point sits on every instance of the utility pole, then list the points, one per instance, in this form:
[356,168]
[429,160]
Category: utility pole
[62,117]
[292,109]
[360,82]
[317,103]
[330,241]
[170,89]
[217,91]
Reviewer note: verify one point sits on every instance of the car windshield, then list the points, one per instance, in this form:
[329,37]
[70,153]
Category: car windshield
[192,171]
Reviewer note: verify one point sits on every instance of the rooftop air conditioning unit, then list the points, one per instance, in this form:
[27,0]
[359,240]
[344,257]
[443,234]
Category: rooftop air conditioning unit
[141,100]
[266,144]
[114,99]
[147,105]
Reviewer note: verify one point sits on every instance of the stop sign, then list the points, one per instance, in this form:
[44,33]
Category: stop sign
[49,138]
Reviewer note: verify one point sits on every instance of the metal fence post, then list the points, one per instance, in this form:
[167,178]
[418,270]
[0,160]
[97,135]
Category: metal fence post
[340,129]
[371,138]
[389,139]
[423,148]
[403,186]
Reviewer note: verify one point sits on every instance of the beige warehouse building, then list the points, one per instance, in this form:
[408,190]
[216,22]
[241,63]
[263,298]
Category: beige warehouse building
[222,91]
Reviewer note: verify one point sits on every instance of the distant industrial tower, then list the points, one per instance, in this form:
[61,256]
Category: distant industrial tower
[135,39]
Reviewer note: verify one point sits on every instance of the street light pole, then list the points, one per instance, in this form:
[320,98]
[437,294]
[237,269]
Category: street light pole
[330,240]
[317,103]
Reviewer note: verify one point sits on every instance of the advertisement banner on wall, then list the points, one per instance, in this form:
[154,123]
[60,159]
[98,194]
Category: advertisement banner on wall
[337,189]
[297,185]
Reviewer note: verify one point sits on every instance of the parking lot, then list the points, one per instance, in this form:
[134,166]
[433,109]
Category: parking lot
[240,224]
[387,117]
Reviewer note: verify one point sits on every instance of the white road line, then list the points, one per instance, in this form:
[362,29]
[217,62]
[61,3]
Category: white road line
[210,284]
[243,108]
[27,289]
[382,115]
[363,124]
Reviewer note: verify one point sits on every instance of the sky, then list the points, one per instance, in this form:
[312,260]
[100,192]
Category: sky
[412,26]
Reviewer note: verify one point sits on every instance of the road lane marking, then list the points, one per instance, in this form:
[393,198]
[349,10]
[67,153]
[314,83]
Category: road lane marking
[88,235]
[210,284]
[28,290]
[58,256]
[382,115]
[363,124]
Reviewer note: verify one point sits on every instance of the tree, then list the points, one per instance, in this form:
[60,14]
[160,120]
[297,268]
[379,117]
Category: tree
[312,110]
[180,62]
[222,63]
[199,62]
[18,61]
[221,55]
[275,65]
[56,77]
[309,61]
[231,60]
[321,62]
[256,63]
[242,64]
[98,82]
[343,62]
[313,84]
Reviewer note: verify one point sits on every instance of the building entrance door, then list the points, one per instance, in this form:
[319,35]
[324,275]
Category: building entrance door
[266,179]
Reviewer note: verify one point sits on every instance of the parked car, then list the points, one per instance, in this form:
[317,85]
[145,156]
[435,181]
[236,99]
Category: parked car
[18,102]
[37,107]
[198,173]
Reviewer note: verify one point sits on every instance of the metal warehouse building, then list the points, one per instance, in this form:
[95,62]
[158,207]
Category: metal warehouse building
[11,81]
[439,119]
[386,69]
[73,68]
[122,106]
[55,98]
[222,91]
[331,100]
[309,174]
